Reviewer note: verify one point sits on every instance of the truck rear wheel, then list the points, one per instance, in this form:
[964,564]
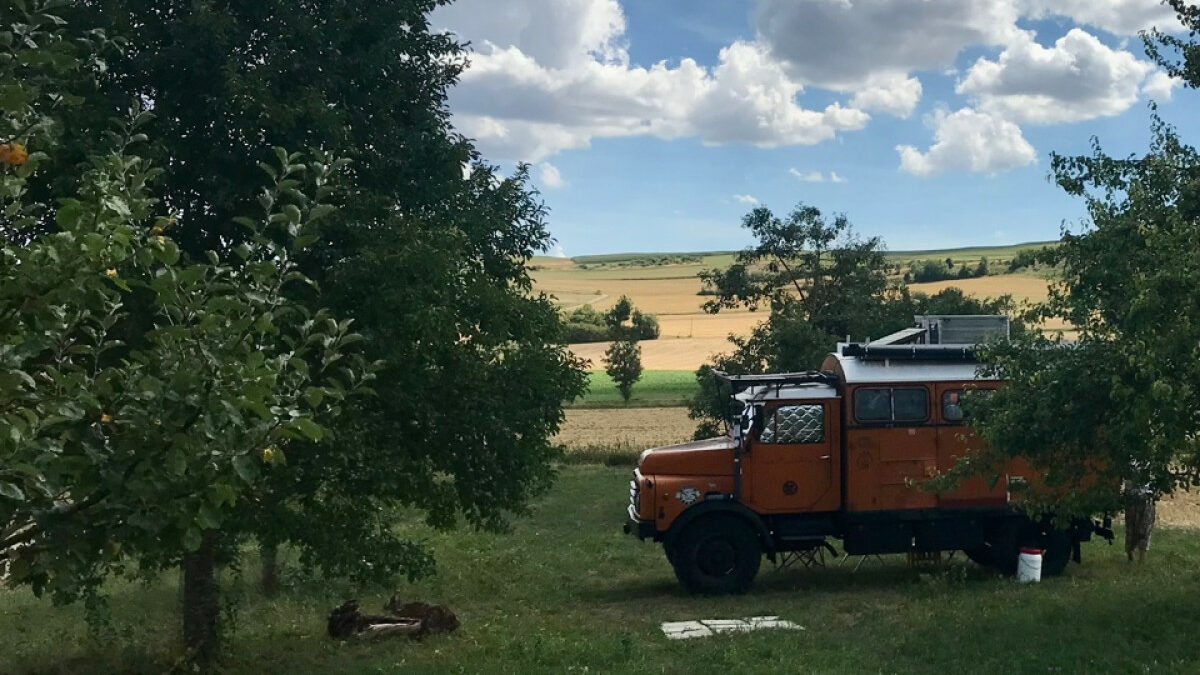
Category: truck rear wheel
[1002,548]
[1056,552]
[717,554]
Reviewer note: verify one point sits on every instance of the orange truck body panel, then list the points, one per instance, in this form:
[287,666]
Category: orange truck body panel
[843,453]
[859,468]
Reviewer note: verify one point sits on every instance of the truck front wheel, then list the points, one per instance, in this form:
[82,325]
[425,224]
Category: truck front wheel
[717,554]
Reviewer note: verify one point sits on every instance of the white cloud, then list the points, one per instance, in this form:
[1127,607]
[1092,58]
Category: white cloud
[555,33]
[554,75]
[746,199]
[969,140]
[1079,78]
[893,94]
[863,45]
[816,176]
[1159,86]
[1123,17]
[557,252]
[524,97]
[808,176]
[550,177]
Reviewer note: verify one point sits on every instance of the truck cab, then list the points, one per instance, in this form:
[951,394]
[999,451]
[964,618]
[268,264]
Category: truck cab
[840,454]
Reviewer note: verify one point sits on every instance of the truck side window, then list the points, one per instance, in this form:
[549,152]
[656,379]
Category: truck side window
[956,404]
[795,424]
[891,405]
[873,405]
[910,405]
[952,410]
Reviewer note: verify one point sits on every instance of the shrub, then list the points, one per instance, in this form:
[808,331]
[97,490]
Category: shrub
[623,363]
[586,332]
[645,326]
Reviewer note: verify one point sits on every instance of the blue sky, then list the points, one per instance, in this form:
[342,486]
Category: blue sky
[654,125]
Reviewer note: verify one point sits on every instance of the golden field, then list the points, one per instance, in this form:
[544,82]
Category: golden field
[1023,288]
[636,428]
[672,292]
[662,354]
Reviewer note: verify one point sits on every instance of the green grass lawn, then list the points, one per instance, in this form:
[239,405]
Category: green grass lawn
[567,592]
[656,388]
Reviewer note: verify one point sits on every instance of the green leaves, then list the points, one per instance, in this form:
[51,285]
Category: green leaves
[141,386]
[306,429]
[246,468]
[10,491]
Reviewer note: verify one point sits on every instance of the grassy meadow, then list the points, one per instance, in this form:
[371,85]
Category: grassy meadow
[566,591]
[657,388]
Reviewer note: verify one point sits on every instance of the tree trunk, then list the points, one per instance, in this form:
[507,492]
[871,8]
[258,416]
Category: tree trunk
[200,600]
[269,580]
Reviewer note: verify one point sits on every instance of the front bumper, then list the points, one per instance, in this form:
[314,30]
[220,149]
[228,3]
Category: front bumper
[642,529]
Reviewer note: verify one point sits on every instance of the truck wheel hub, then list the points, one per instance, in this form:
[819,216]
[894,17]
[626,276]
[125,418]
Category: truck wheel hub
[717,558]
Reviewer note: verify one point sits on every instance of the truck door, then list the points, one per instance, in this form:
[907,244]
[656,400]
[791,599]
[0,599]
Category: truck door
[793,466]
[891,445]
[955,437]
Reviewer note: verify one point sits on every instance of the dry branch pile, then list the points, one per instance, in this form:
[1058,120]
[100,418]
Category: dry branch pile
[412,619]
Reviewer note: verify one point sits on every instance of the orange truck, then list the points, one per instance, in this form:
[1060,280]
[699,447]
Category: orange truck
[840,454]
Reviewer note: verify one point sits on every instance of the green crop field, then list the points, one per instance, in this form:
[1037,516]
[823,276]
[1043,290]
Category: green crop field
[656,388]
[970,253]
[567,592]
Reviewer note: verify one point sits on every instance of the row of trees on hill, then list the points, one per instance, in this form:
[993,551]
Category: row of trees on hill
[939,270]
[207,344]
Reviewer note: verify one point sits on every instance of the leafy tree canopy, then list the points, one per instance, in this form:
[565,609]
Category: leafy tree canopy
[1120,399]
[821,283]
[427,255]
[207,368]
[151,403]
[1179,56]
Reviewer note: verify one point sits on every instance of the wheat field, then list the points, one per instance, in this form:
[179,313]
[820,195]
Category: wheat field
[632,428]
[690,337]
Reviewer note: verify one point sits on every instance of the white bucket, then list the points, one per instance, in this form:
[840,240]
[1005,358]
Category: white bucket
[1029,566]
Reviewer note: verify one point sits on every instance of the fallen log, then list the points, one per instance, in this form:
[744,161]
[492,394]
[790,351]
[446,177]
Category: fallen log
[414,620]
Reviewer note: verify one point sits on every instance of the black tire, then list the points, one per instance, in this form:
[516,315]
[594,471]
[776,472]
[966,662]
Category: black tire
[717,554]
[1056,552]
[1003,541]
[1001,547]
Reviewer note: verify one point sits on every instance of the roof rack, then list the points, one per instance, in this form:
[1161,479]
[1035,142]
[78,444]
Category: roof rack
[739,383]
[872,352]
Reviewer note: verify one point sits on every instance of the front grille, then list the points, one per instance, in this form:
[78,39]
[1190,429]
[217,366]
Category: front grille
[635,499]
